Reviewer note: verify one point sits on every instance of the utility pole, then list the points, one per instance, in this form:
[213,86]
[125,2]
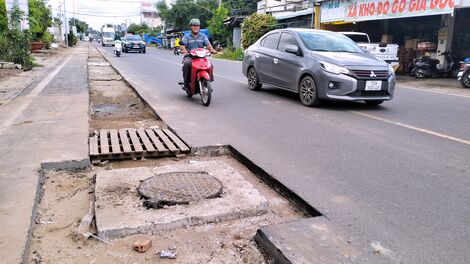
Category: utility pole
[60,19]
[66,26]
[220,3]
[74,23]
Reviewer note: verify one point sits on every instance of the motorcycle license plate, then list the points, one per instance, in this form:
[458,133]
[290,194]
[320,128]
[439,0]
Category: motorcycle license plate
[460,74]
[373,85]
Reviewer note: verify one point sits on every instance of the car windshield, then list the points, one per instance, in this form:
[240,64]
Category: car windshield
[134,38]
[108,35]
[329,42]
[358,38]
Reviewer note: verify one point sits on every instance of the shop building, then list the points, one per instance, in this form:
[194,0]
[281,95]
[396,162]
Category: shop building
[419,27]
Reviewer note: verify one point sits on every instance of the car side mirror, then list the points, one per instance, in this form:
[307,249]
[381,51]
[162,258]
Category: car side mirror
[293,49]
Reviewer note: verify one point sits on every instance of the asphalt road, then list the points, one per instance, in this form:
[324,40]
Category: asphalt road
[397,174]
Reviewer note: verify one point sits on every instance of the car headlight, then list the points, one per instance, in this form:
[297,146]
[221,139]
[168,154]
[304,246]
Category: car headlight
[391,70]
[330,67]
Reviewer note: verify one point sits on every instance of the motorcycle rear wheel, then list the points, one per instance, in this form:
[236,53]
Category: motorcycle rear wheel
[465,80]
[205,91]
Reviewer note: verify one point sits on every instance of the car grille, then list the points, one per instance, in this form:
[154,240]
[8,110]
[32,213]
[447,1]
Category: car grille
[368,73]
[369,93]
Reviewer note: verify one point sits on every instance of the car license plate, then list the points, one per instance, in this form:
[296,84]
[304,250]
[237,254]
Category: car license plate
[136,46]
[373,85]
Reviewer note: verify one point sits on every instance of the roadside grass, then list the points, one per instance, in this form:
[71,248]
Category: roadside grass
[230,54]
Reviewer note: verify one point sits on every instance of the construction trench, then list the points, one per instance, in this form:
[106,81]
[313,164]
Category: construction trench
[195,205]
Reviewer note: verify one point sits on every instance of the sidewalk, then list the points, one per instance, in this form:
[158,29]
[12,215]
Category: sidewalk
[46,125]
[439,85]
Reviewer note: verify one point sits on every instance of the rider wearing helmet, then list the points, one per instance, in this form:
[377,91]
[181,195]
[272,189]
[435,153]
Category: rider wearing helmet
[193,41]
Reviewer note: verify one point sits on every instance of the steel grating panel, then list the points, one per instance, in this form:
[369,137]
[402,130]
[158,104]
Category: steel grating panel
[128,143]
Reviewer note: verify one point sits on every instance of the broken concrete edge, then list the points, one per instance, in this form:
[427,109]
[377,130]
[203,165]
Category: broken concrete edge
[271,253]
[67,165]
[37,201]
[124,79]
[228,150]
[183,223]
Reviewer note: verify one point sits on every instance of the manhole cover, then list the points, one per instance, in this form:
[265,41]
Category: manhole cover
[179,188]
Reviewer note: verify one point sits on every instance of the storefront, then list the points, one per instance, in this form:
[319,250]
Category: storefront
[419,27]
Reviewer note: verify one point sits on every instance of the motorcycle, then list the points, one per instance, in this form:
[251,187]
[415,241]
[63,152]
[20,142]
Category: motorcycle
[201,76]
[177,51]
[117,48]
[464,73]
[426,67]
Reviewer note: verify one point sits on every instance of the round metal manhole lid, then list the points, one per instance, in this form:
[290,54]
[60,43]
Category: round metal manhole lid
[179,188]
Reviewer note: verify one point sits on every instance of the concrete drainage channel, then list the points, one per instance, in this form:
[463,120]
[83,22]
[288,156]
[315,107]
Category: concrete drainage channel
[178,208]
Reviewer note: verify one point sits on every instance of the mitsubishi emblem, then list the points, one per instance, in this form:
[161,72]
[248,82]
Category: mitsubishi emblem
[372,74]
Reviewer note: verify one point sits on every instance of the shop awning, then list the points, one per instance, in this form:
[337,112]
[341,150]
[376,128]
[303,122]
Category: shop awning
[308,11]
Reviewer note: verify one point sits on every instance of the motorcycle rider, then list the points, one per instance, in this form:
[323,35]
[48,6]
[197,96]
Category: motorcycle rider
[193,41]
[177,44]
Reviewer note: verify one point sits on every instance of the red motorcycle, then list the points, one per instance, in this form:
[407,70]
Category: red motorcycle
[201,76]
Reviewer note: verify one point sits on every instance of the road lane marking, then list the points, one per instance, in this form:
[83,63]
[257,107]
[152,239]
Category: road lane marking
[432,91]
[29,98]
[422,130]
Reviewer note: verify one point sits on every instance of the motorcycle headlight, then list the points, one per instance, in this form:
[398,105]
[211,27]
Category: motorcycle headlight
[335,69]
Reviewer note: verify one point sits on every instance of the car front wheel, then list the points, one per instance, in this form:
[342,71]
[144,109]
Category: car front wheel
[253,81]
[308,92]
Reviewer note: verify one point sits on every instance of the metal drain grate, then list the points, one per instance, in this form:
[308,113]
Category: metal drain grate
[179,188]
[130,143]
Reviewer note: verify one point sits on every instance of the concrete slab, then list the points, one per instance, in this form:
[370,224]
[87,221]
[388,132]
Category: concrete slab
[120,213]
[316,240]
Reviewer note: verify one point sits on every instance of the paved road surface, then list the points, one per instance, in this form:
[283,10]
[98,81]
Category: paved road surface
[397,174]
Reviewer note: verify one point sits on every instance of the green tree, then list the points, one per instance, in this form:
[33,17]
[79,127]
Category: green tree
[182,11]
[82,26]
[255,27]
[138,28]
[40,18]
[218,29]
[3,16]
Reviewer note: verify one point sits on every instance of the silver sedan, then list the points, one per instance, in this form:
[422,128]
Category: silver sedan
[319,65]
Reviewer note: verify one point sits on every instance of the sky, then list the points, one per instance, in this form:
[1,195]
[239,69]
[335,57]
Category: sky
[99,12]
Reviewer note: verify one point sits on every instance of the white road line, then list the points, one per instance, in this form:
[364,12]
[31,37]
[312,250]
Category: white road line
[29,98]
[432,91]
[422,130]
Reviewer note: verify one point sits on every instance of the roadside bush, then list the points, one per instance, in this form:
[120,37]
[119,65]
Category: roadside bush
[4,47]
[231,54]
[47,38]
[255,27]
[15,45]
[72,39]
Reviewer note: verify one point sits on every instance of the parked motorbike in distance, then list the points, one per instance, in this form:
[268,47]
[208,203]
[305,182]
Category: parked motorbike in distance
[201,76]
[464,73]
[426,67]
[177,51]
[117,47]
